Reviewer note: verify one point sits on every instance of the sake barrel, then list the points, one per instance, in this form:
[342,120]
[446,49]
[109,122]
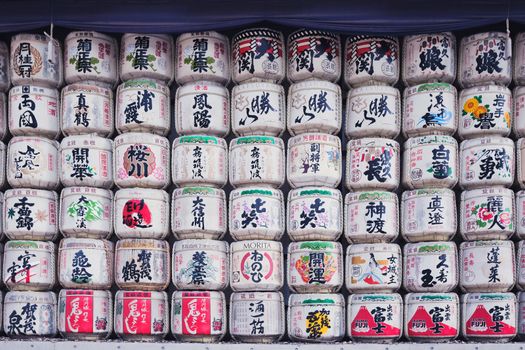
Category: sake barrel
[313,54]
[256,213]
[519,59]
[487,161]
[429,58]
[487,266]
[485,58]
[258,55]
[314,159]
[141,213]
[34,111]
[199,160]
[202,107]
[520,265]
[371,217]
[198,316]
[428,215]
[85,314]
[30,314]
[198,213]
[485,110]
[373,268]
[86,160]
[90,56]
[488,317]
[33,162]
[521,315]
[315,267]
[518,120]
[430,161]
[520,164]
[3,108]
[256,266]
[314,106]
[87,109]
[430,267]
[316,318]
[520,214]
[314,213]
[143,105]
[431,317]
[430,108]
[372,163]
[487,213]
[141,160]
[258,109]
[202,56]
[5,72]
[371,60]
[257,160]
[85,263]
[141,315]
[147,56]
[86,212]
[142,264]
[375,318]
[373,111]
[30,214]
[257,317]
[29,265]
[3,156]
[200,264]
[36,59]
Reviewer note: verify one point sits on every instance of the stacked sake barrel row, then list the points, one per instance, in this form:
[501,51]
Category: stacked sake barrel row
[32,220]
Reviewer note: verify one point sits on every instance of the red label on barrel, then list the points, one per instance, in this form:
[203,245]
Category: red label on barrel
[136,314]
[491,322]
[196,318]
[79,312]
[365,324]
[425,324]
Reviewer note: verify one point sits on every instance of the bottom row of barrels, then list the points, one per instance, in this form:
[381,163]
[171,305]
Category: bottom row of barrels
[260,316]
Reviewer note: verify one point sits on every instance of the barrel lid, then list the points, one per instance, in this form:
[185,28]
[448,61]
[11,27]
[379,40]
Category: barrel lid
[200,139]
[142,243]
[208,34]
[484,191]
[37,139]
[481,297]
[197,87]
[373,247]
[166,37]
[85,243]
[83,292]
[23,89]
[369,196]
[485,88]
[430,87]
[248,140]
[357,38]
[24,244]
[30,296]
[258,32]
[143,193]
[141,83]
[374,90]
[256,244]
[200,244]
[301,33]
[373,298]
[373,142]
[256,296]
[429,247]
[314,84]
[140,137]
[257,87]
[85,140]
[493,243]
[178,295]
[428,192]
[316,299]
[256,191]
[327,246]
[198,190]
[414,298]
[430,140]
[87,88]
[83,190]
[314,191]
[124,294]
[50,195]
